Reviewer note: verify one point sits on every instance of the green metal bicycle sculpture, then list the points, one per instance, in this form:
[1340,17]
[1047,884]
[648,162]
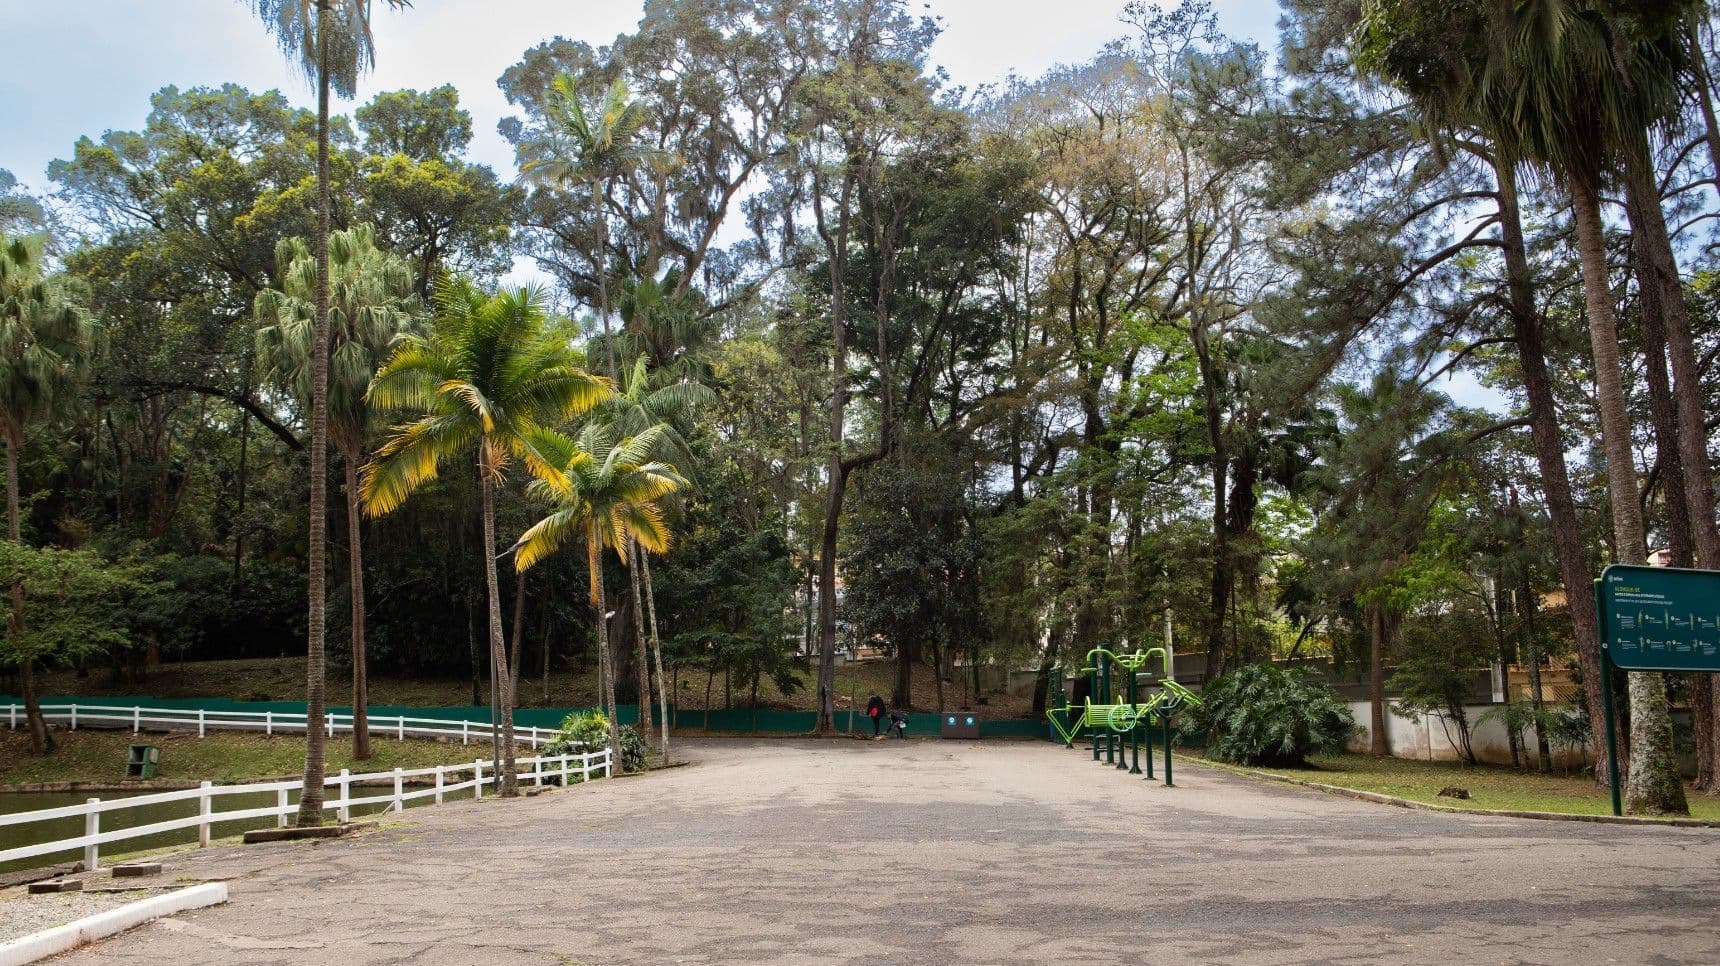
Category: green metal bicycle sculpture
[1127,721]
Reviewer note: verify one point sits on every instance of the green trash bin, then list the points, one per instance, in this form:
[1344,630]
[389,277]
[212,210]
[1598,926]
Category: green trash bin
[142,761]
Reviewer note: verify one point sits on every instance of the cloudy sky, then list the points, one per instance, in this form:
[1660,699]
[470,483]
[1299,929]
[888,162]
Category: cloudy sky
[77,67]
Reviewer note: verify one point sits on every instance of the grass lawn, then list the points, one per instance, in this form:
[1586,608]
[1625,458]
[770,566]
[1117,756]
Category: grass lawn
[1489,786]
[86,755]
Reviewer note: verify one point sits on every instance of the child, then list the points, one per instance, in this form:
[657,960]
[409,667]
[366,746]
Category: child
[899,723]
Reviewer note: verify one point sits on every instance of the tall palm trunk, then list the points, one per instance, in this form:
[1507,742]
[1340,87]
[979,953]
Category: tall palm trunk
[519,638]
[657,657]
[1550,453]
[355,584]
[594,561]
[1653,784]
[41,741]
[316,553]
[501,685]
[643,675]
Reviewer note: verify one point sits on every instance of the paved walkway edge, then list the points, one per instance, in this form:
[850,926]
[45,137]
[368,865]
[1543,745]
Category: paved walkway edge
[52,942]
[1376,797]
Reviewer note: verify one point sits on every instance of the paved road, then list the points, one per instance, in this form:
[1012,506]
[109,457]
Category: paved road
[930,852]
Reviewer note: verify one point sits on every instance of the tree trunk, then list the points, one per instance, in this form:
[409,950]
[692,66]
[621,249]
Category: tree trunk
[657,657]
[1680,551]
[355,584]
[311,795]
[605,666]
[1378,743]
[519,631]
[907,655]
[642,676]
[1657,272]
[239,513]
[543,616]
[502,684]
[1549,443]
[41,740]
[1653,785]
[837,474]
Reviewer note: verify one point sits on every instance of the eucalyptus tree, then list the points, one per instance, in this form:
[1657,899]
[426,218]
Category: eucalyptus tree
[331,42]
[488,382]
[370,303]
[610,494]
[719,80]
[868,98]
[1542,80]
[45,341]
[20,213]
[594,148]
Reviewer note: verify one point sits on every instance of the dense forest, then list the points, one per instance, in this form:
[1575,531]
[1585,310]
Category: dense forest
[1375,346]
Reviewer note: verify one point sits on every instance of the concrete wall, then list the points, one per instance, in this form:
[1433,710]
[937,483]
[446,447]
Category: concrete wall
[1424,737]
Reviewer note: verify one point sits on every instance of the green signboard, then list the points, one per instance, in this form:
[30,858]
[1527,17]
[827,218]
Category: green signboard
[1660,619]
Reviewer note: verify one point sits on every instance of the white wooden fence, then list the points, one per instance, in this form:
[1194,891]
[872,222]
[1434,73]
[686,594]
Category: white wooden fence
[268,722]
[445,779]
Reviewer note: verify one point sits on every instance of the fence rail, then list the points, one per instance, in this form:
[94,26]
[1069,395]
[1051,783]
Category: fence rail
[475,776]
[268,722]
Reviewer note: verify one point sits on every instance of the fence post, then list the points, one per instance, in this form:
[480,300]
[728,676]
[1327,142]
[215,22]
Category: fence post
[92,827]
[136,719]
[585,766]
[400,732]
[564,771]
[199,722]
[343,812]
[269,723]
[465,732]
[11,717]
[327,720]
[205,805]
[74,717]
[478,778]
[281,805]
[438,784]
[537,771]
[399,798]
[608,763]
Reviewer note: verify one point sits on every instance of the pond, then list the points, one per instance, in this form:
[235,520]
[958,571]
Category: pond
[13,836]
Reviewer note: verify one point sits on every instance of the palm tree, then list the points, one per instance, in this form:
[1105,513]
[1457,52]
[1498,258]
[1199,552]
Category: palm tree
[612,499]
[636,408]
[45,342]
[1550,84]
[330,41]
[371,301]
[489,380]
[593,149]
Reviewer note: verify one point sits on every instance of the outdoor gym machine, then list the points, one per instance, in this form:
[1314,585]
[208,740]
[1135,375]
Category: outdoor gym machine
[1130,720]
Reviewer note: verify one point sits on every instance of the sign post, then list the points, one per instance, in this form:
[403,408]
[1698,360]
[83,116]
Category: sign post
[1653,619]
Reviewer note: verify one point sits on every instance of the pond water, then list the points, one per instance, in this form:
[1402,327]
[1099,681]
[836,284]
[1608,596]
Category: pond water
[12,836]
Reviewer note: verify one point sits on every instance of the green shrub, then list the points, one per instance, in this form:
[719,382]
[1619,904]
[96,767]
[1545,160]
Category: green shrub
[1264,715]
[632,749]
[581,731]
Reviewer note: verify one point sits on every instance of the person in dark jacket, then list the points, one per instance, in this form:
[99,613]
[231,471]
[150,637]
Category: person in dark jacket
[899,723]
[875,711]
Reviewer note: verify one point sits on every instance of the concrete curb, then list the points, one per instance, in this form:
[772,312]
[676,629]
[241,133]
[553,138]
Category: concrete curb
[51,942]
[1410,803]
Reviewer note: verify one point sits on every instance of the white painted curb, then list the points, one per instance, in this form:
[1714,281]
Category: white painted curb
[50,942]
